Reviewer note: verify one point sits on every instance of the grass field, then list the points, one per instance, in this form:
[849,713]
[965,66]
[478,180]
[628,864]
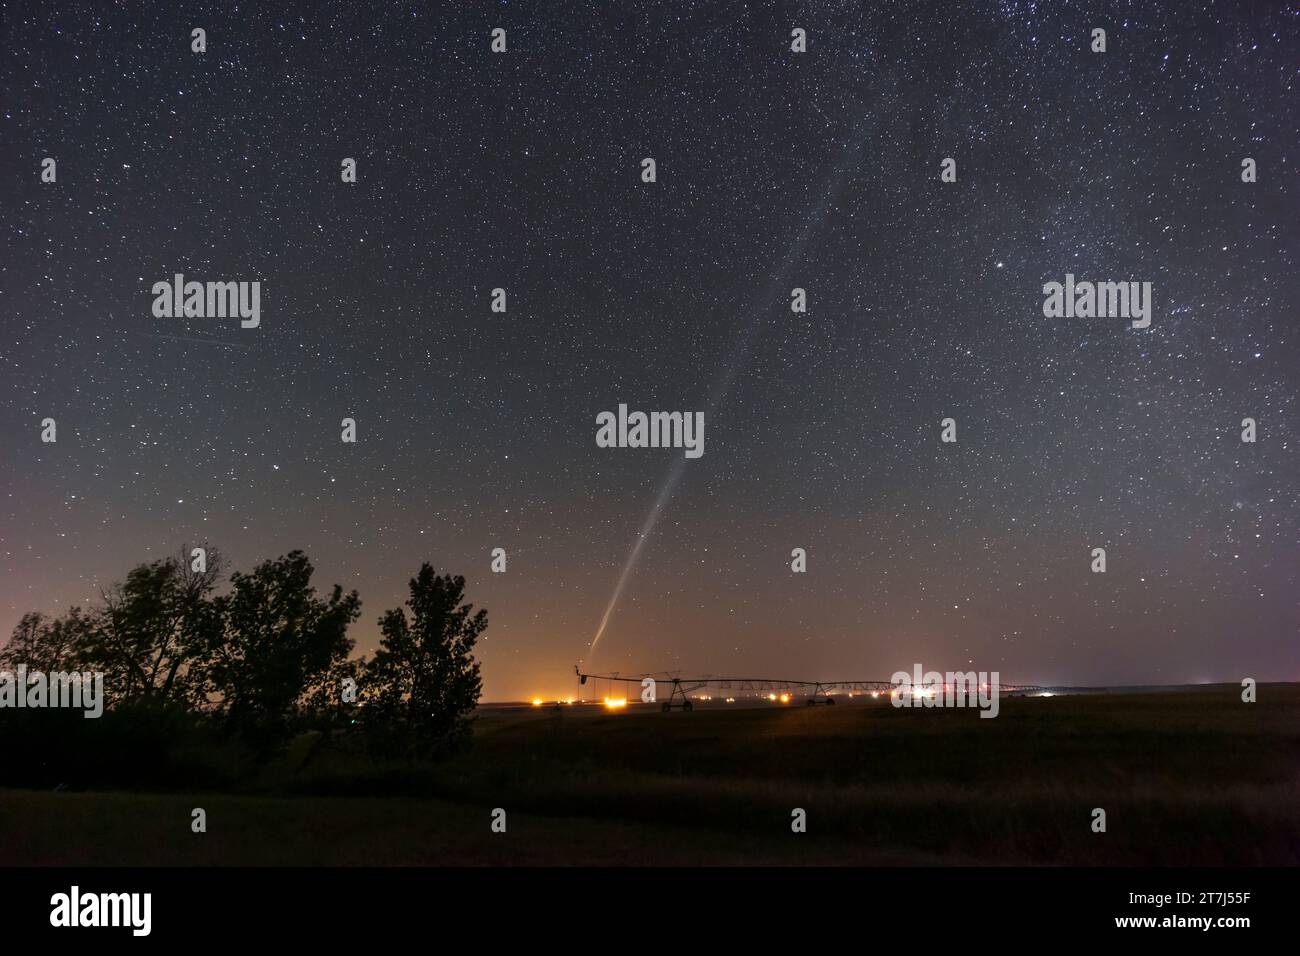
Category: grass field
[1193,777]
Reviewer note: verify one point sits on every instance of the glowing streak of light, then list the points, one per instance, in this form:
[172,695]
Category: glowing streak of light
[674,476]
[738,355]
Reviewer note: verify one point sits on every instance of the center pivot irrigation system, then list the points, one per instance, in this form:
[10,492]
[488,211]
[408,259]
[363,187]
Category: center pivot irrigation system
[813,692]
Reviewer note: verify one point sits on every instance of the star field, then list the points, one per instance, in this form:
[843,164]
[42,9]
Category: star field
[775,170]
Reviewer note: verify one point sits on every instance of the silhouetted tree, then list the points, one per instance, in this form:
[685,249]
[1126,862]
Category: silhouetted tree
[324,706]
[48,644]
[144,637]
[150,630]
[423,683]
[277,642]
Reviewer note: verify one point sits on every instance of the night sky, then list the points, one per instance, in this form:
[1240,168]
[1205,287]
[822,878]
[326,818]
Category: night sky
[775,170]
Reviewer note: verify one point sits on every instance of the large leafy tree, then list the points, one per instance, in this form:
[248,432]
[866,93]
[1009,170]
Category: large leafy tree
[150,629]
[279,643]
[48,644]
[423,683]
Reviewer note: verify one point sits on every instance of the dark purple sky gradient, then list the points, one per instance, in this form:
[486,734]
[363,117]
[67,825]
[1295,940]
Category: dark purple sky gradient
[775,170]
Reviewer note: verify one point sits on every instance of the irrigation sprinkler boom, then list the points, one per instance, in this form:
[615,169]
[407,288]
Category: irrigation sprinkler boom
[814,692]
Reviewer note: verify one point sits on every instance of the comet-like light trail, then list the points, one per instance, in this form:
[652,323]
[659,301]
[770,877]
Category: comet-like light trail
[739,353]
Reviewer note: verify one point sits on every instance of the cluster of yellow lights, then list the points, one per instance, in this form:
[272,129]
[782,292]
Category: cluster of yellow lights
[537,701]
[615,703]
[918,692]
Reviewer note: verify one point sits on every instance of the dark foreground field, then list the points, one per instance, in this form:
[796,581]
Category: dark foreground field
[1193,777]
